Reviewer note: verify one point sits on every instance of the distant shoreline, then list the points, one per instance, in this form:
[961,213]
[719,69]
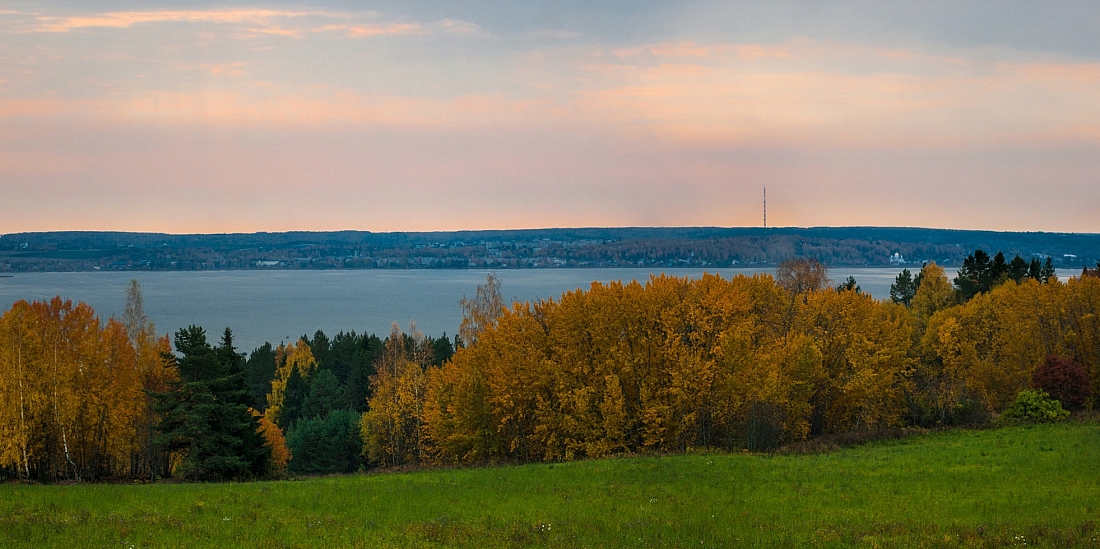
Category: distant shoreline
[624,247]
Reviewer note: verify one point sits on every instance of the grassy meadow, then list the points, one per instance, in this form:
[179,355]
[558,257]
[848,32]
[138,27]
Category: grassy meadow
[1021,486]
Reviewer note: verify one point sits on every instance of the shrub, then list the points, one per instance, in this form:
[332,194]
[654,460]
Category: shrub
[1064,379]
[1035,405]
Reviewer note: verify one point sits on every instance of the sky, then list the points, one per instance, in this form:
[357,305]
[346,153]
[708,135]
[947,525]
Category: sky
[454,115]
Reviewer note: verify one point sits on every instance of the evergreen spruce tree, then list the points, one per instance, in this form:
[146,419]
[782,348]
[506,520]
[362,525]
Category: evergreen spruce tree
[331,444]
[261,370]
[205,412]
[325,395]
[442,350]
[1035,269]
[1047,271]
[1017,270]
[904,288]
[361,358]
[849,285]
[297,388]
[235,398]
[998,270]
[976,275]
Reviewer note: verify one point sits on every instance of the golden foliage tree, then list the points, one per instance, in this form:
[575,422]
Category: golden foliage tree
[392,426]
[288,358]
[668,366]
[73,393]
[934,293]
[280,454]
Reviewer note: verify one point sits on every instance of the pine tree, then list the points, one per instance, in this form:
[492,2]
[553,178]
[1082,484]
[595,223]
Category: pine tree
[297,388]
[235,398]
[205,412]
[849,285]
[1047,271]
[1035,269]
[261,370]
[325,396]
[904,288]
[1017,270]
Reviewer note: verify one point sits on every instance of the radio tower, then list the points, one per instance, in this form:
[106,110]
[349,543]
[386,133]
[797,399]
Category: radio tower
[765,206]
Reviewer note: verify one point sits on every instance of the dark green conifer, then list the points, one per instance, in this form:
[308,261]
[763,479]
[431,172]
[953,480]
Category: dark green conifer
[205,412]
[904,288]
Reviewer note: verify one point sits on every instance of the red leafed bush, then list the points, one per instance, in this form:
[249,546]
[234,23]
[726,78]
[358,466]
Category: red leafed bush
[1064,380]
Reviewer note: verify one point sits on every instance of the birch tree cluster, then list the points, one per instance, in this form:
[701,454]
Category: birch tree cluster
[74,401]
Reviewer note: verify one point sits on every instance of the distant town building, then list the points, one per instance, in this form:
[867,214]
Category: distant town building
[897,259]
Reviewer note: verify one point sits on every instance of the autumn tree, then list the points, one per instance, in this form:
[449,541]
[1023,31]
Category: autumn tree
[391,428]
[156,374]
[1064,380]
[800,276]
[72,392]
[482,310]
[292,360]
[133,314]
[274,438]
[864,346]
[21,386]
[668,366]
[934,293]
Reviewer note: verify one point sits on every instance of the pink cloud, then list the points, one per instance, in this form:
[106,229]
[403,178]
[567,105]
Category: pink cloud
[127,19]
[261,21]
[382,29]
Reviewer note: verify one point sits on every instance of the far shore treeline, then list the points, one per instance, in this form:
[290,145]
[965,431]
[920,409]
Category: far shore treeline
[668,365]
[709,247]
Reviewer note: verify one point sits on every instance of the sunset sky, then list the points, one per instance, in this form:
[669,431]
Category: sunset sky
[447,115]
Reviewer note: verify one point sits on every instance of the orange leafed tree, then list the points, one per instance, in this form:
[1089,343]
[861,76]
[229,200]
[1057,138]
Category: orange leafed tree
[280,454]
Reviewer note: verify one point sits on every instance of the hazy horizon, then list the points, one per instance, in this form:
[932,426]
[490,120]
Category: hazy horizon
[560,228]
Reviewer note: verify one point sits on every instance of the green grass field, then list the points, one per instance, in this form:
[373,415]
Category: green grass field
[1035,486]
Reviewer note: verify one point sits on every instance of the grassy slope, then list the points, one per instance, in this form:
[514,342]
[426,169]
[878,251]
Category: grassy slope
[1032,485]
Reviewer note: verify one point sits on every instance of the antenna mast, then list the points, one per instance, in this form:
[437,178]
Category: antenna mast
[765,206]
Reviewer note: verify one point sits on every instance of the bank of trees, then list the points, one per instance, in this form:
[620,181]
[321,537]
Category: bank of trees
[85,399]
[750,362]
[667,365]
[319,391]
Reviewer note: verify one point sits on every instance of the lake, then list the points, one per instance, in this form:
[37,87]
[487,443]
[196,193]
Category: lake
[280,306]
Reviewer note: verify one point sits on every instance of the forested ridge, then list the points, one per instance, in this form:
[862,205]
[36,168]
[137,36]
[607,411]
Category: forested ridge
[529,248]
[668,365]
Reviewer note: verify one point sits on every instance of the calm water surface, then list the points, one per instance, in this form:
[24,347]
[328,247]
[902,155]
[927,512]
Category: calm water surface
[279,306]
